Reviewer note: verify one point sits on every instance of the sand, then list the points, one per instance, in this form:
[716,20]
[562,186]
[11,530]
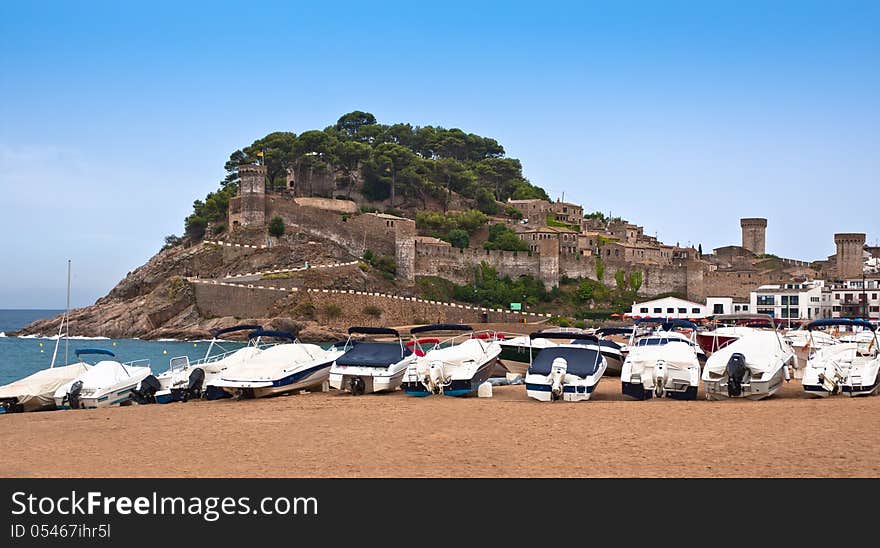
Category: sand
[336,435]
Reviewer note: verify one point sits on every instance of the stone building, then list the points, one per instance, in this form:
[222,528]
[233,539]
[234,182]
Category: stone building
[248,208]
[754,234]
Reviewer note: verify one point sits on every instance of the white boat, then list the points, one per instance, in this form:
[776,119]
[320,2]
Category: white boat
[105,384]
[847,367]
[517,351]
[805,342]
[279,369]
[36,392]
[665,363]
[753,366]
[187,380]
[730,327]
[615,343]
[374,366]
[569,371]
[456,366]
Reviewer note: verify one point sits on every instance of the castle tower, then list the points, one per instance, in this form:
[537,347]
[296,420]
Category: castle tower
[252,190]
[754,235]
[850,255]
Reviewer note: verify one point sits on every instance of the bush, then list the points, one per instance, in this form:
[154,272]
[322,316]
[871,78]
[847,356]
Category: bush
[305,311]
[373,311]
[171,240]
[276,227]
[503,238]
[580,324]
[513,212]
[219,229]
[195,227]
[458,238]
[332,311]
[387,265]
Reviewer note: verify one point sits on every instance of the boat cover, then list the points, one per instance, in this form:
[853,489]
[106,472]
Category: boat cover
[107,373]
[677,354]
[374,354]
[761,349]
[582,361]
[38,390]
[275,361]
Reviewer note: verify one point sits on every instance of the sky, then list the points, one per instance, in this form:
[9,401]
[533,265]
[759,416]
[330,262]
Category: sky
[679,116]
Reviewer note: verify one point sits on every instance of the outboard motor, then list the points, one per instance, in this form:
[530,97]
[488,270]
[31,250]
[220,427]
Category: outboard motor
[736,372]
[660,378]
[73,394]
[356,386]
[146,392]
[193,388]
[436,378]
[558,369]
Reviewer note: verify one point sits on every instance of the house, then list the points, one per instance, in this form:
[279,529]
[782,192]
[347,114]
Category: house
[669,308]
[789,301]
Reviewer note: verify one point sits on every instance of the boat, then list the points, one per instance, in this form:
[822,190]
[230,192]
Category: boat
[107,383]
[665,363]
[753,366]
[187,380]
[568,371]
[36,392]
[374,366]
[456,366]
[805,342]
[846,367]
[517,351]
[279,369]
[613,352]
[730,327]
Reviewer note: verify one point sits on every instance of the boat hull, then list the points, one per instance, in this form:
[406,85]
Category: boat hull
[457,387]
[381,380]
[716,389]
[311,377]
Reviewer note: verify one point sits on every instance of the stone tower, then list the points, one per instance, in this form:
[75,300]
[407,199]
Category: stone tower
[850,255]
[754,234]
[252,190]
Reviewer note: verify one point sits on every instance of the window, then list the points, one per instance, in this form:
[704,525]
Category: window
[682,310]
[837,296]
[745,308]
[835,308]
[873,296]
[658,311]
[875,309]
[643,310]
[768,311]
[670,311]
[718,308]
[766,300]
[695,310]
[814,299]
[789,299]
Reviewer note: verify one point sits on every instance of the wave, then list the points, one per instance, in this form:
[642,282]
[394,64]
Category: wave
[167,340]
[79,338]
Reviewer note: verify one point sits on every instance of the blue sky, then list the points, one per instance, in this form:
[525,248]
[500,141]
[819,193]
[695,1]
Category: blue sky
[681,116]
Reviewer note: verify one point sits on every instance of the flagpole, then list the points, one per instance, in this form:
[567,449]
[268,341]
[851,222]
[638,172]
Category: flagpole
[67,332]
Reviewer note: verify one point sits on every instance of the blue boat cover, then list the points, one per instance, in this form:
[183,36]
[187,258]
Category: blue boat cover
[218,332]
[441,327]
[614,331]
[276,334]
[852,322]
[373,331]
[80,351]
[582,362]
[682,324]
[374,354]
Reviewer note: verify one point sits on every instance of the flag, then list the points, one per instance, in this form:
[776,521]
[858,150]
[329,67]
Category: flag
[260,154]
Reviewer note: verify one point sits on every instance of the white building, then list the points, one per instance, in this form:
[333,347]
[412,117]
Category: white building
[791,301]
[670,308]
[857,298]
[725,305]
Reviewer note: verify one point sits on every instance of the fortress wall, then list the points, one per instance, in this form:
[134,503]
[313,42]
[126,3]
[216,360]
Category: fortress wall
[457,265]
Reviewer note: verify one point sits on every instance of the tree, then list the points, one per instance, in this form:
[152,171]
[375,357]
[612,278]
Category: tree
[393,159]
[635,281]
[620,279]
[505,239]
[700,251]
[585,290]
[458,238]
[600,269]
[276,227]
[350,123]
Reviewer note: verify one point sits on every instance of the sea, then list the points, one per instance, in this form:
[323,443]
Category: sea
[22,356]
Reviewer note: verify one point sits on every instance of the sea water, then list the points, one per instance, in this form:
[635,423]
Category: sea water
[22,356]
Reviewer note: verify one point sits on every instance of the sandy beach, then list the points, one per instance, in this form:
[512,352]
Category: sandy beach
[393,435]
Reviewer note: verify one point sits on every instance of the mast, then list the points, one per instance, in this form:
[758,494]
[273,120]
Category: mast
[67,315]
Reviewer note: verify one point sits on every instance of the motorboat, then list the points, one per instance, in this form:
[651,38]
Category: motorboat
[665,363]
[753,366]
[569,371]
[279,369]
[185,380]
[105,384]
[375,366]
[517,352]
[806,342]
[36,392]
[730,327]
[456,366]
[846,367]
[621,338]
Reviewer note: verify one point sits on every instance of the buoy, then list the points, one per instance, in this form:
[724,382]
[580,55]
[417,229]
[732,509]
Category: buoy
[41,345]
[195,344]
[114,343]
[485,390]
[41,351]
[164,351]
